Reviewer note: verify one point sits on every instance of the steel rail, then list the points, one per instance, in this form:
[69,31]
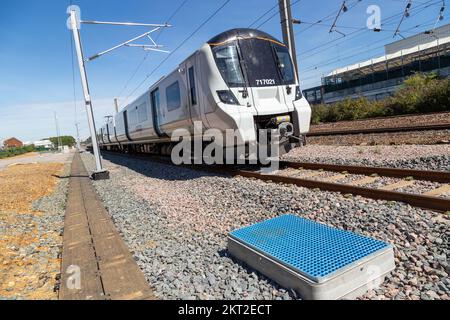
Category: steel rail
[379,130]
[427,175]
[421,201]
[415,200]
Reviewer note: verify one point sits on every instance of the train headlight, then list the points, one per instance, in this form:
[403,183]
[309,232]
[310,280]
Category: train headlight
[226,96]
[298,93]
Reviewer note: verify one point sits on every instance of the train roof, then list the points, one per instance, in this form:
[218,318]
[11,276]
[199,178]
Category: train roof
[245,33]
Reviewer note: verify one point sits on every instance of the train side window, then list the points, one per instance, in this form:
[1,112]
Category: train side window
[132,117]
[173,96]
[193,90]
[142,112]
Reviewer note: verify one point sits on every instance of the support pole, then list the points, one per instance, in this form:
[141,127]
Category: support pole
[116,105]
[100,173]
[288,30]
[78,137]
[58,135]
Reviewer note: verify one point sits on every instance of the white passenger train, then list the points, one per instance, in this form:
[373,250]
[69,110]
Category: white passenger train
[242,79]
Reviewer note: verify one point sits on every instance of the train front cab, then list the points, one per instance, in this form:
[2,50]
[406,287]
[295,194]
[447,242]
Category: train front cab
[252,79]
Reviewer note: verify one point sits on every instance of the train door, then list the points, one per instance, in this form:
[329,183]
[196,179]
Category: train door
[194,106]
[102,136]
[156,112]
[125,122]
[108,133]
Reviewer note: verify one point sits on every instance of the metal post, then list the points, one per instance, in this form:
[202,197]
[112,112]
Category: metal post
[116,105]
[58,138]
[438,56]
[288,30]
[78,137]
[100,173]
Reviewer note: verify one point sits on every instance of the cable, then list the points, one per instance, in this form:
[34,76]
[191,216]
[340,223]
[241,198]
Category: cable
[363,30]
[328,17]
[262,16]
[178,47]
[171,17]
[426,5]
[148,53]
[441,14]
[313,68]
[342,10]
[406,14]
[273,15]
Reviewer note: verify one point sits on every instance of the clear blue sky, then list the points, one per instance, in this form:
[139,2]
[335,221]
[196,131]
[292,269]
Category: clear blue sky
[35,52]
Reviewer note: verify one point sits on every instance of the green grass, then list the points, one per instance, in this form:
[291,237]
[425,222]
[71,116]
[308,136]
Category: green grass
[16,151]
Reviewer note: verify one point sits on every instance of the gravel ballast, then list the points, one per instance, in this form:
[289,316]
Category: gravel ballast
[31,241]
[385,122]
[424,157]
[175,222]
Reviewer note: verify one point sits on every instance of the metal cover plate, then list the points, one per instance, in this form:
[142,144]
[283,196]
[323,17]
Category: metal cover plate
[312,249]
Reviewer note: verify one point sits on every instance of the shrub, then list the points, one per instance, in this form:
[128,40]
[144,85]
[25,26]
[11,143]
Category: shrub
[16,151]
[420,93]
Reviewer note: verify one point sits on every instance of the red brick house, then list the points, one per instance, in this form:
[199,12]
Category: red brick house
[12,143]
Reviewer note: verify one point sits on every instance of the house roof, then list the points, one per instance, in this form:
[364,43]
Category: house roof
[11,139]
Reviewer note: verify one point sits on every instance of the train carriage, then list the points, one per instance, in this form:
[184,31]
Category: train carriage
[242,79]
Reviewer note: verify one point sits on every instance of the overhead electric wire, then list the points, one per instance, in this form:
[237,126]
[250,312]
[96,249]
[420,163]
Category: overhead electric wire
[362,31]
[327,17]
[262,16]
[441,14]
[178,47]
[422,7]
[148,52]
[270,17]
[275,14]
[406,14]
[315,67]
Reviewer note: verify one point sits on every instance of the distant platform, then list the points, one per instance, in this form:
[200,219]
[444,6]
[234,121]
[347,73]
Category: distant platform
[317,261]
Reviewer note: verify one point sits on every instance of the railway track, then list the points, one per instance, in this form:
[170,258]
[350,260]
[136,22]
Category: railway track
[327,177]
[380,130]
[312,179]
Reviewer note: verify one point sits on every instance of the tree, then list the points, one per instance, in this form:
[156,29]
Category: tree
[65,140]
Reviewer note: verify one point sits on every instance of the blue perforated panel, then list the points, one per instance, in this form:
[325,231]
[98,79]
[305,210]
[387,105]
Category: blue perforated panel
[310,248]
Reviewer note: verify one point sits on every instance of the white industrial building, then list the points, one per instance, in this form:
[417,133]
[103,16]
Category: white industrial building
[44,144]
[380,77]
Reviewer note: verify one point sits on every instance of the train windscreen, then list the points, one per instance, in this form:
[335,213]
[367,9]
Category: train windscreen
[267,63]
[227,60]
[264,62]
